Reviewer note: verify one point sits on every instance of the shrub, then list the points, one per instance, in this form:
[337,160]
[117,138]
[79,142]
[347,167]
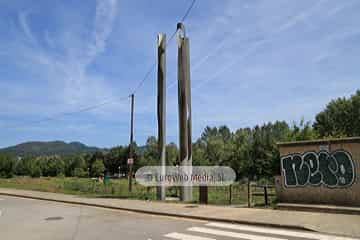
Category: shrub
[80,172]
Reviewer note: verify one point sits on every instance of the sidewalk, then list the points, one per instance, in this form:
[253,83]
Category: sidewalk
[339,224]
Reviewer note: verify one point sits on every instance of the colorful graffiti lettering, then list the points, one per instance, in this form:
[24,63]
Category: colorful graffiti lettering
[334,169]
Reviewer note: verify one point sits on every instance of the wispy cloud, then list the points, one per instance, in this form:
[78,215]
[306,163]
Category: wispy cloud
[67,72]
[25,27]
[106,12]
[251,62]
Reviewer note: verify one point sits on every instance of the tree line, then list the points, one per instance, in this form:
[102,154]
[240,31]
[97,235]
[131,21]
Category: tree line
[251,152]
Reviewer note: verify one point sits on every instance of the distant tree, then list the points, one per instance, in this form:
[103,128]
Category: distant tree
[23,166]
[80,172]
[71,162]
[29,166]
[302,131]
[240,152]
[92,158]
[98,168]
[151,154]
[198,154]
[172,154]
[340,118]
[7,166]
[115,158]
[51,166]
[218,145]
[35,169]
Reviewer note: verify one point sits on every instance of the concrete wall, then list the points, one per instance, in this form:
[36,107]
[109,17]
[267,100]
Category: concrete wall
[320,172]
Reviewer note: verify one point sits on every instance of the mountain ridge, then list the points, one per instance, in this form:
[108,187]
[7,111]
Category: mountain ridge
[56,147]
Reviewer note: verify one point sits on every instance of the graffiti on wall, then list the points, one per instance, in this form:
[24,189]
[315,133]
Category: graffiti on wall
[335,169]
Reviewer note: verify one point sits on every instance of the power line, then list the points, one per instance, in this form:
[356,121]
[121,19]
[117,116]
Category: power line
[152,68]
[60,115]
[85,109]
[188,11]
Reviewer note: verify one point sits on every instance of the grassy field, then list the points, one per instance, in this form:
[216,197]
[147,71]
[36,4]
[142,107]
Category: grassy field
[118,188]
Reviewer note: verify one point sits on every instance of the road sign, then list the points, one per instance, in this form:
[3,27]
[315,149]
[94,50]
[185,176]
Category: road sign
[130,161]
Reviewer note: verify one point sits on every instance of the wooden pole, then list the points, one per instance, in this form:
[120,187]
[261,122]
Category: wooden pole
[266,196]
[161,110]
[184,101]
[249,193]
[230,194]
[131,156]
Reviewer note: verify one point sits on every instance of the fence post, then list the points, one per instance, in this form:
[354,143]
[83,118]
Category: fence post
[230,194]
[265,195]
[249,193]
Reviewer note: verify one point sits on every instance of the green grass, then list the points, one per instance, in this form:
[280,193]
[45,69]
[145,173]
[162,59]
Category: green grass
[118,188]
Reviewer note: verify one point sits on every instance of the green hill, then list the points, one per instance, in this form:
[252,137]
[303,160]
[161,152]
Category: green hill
[48,148]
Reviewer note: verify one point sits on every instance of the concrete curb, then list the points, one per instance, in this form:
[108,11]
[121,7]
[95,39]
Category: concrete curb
[261,224]
[318,208]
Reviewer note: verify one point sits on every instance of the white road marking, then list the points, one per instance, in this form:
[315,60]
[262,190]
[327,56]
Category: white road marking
[1,199]
[0,213]
[232,234]
[181,236]
[288,233]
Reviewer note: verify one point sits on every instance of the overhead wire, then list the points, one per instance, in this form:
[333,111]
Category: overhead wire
[61,115]
[85,109]
[152,67]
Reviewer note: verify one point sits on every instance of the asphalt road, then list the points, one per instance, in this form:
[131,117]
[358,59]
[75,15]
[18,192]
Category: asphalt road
[33,219]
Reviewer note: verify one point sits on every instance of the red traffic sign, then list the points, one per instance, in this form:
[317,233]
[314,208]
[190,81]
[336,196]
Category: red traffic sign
[130,161]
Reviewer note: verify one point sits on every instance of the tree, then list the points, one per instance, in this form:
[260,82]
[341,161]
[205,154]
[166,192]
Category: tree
[23,166]
[80,172]
[7,165]
[115,158]
[51,166]
[151,155]
[172,154]
[90,159]
[340,118]
[98,168]
[218,144]
[198,154]
[35,169]
[73,162]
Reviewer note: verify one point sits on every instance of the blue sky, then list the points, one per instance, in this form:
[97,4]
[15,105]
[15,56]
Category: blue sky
[252,62]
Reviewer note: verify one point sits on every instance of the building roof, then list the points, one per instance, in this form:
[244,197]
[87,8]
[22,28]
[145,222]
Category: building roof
[321,141]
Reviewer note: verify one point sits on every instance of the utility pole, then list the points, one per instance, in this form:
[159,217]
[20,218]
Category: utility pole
[184,101]
[131,157]
[161,110]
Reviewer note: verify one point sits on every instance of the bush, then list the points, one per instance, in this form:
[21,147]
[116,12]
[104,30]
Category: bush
[80,172]
[61,175]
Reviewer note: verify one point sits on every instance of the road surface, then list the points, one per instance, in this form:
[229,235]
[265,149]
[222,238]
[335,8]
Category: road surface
[27,219]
